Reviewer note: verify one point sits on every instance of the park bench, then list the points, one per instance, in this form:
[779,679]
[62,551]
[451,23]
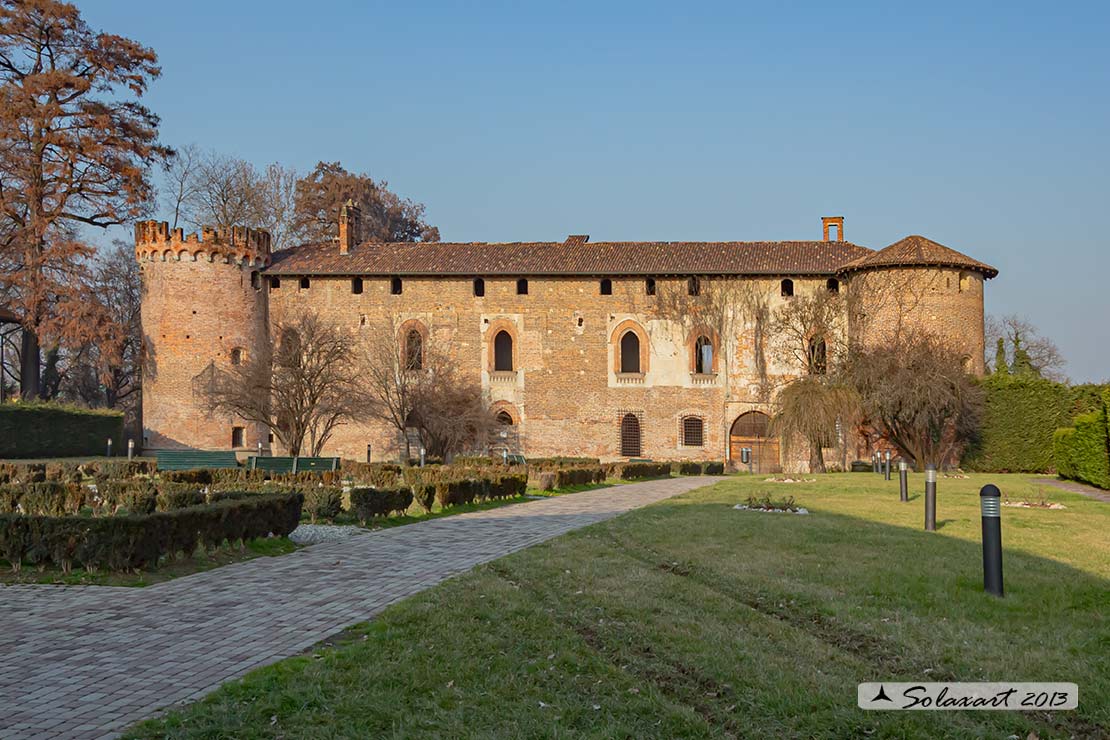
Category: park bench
[194,459]
[293,464]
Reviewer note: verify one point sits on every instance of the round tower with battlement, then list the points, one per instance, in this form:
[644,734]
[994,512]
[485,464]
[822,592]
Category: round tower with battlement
[918,284]
[204,308]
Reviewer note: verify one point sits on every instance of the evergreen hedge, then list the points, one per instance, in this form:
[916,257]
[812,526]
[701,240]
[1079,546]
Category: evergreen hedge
[633,471]
[56,430]
[1082,451]
[367,503]
[1022,414]
[126,543]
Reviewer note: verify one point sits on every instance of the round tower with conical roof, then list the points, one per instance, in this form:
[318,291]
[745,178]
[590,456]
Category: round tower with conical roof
[918,284]
[204,308]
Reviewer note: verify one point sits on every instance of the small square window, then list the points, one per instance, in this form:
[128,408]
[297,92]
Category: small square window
[305,283]
[693,432]
[522,286]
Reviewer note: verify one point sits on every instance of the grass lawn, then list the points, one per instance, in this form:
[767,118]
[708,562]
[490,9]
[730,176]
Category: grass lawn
[262,547]
[690,619]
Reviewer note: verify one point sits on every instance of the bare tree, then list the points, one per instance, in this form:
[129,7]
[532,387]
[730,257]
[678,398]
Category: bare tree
[180,185]
[1021,349]
[224,192]
[812,408]
[917,394]
[417,386]
[309,386]
[810,329]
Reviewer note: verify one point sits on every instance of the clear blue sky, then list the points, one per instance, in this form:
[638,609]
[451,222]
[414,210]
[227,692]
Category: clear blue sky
[980,125]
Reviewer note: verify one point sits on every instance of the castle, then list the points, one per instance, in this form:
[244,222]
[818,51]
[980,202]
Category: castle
[604,349]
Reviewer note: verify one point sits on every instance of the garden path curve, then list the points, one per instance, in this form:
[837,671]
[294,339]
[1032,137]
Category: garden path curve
[88,661]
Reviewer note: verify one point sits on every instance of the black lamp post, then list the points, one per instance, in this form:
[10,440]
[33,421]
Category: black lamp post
[930,497]
[991,507]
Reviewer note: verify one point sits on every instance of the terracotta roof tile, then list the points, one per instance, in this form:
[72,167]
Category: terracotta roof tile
[917,250]
[574,257]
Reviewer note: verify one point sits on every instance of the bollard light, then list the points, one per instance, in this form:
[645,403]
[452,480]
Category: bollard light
[423,452]
[368,453]
[903,481]
[109,446]
[930,497]
[991,507]
[130,449]
[887,471]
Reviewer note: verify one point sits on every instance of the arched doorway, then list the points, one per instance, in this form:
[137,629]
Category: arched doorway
[752,430]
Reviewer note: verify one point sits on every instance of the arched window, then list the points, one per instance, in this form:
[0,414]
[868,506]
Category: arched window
[693,431]
[817,355]
[356,285]
[504,418]
[503,352]
[479,287]
[832,285]
[396,286]
[522,286]
[237,356]
[630,353]
[305,283]
[275,283]
[631,439]
[414,350]
[606,286]
[703,356]
[786,289]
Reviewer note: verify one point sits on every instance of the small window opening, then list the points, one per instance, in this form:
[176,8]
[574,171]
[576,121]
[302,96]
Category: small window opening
[786,289]
[693,431]
[275,283]
[396,286]
[504,418]
[237,436]
[630,353]
[305,283]
[832,285]
[693,286]
[581,321]
[649,286]
[606,287]
[522,286]
[256,280]
[237,356]
[631,440]
[414,350]
[356,285]
[479,287]
[703,356]
[503,352]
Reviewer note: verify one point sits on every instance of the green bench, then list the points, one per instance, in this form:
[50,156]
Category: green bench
[293,464]
[193,459]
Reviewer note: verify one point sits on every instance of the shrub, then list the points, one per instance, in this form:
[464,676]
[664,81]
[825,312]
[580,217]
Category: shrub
[636,470]
[9,498]
[377,475]
[545,481]
[579,476]
[55,430]
[367,503]
[713,468]
[137,496]
[178,496]
[119,468]
[51,498]
[474,461]
[686,467]
[198,476]
[545,463]
[1082,451]
[323,502]
[133,542]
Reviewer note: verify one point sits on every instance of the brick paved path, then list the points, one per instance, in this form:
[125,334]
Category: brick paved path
[88,661]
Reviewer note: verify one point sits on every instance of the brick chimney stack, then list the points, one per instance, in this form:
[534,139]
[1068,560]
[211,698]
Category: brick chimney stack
[836,222]
[350,227]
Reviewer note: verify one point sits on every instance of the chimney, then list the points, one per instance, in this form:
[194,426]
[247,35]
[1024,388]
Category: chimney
[350,227]
[836,222]
[577,240]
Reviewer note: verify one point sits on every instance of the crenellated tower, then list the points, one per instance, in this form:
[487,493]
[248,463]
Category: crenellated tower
[204,307]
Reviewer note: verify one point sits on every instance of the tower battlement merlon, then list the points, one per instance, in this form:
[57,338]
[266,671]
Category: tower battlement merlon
[154,240]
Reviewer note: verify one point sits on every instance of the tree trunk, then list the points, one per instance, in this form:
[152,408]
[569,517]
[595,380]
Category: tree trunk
[816,459]
[30,367]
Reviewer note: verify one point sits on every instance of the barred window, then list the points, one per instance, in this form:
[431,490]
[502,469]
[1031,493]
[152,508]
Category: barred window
[631,438]
[693,431]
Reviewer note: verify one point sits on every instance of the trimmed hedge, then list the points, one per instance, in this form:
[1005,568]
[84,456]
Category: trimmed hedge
[694,467]
[376,475]
[1021,416]
[323,502]
[1082,451]
[634,471]
[547,463]
[56,430]
[126,543]
[367,503]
